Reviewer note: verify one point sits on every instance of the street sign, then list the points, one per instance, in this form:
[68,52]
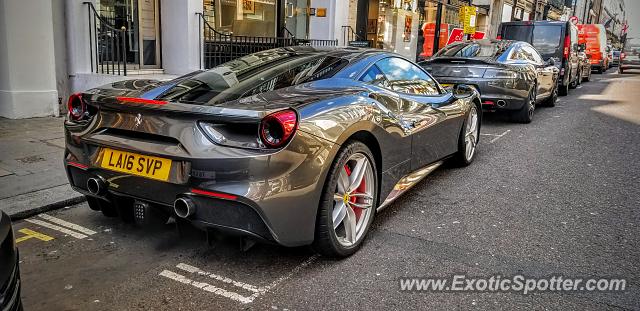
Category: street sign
[573,20]
[457,35]
[359,44]
[467,16]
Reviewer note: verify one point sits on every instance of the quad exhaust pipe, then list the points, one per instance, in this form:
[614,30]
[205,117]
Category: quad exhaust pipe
[184,207]
[96,185]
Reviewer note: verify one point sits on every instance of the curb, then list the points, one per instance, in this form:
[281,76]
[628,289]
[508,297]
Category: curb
[46,208]
[32,203]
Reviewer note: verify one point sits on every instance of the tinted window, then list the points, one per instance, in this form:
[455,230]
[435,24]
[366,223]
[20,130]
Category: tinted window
[406,77]
[517,32]
[531,54]
[517,53]
[477,49]
[547,40]
[375,77]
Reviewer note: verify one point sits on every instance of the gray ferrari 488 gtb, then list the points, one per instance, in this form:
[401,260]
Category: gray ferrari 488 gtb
[293,145]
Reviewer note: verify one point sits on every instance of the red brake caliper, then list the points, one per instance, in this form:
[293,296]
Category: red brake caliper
[361,188]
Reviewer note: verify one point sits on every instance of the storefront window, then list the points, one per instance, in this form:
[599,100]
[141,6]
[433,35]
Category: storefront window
[393,25]
[242,17]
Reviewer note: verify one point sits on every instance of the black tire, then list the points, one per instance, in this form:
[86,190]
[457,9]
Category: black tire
[573,84]
[620,71]
[563,90]
[460,159]
[102,205]
[551,101]
[325,240]
[525,114]
[599,70]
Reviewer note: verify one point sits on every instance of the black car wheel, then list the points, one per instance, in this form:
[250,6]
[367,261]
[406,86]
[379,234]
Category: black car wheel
[599,70]
[573,84]
[620,71]
[551,101]
[563,90]
[348,203]
[468,139]
[525,114]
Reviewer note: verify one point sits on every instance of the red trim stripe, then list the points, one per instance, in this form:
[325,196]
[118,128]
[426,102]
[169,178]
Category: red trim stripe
[78,165]
[214,194]
[142,101]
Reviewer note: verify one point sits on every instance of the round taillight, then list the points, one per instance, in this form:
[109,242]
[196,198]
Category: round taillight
[76,107]
[277,128]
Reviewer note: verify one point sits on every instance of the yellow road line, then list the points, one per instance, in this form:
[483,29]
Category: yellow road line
[29,234]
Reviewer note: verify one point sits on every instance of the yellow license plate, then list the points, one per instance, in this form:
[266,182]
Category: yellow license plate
[136,164]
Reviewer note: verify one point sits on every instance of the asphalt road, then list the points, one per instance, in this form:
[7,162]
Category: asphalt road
[557,196]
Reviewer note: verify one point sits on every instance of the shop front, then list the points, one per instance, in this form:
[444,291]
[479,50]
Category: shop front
[407,27]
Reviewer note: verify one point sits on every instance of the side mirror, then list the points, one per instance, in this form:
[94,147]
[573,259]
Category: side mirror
[551,61]
[463,90]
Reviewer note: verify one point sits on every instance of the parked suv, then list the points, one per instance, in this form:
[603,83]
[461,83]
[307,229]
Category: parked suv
[552,39]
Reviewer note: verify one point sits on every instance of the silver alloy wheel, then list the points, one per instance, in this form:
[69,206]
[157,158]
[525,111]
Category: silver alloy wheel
[353,199]
[471,134]
[532,105]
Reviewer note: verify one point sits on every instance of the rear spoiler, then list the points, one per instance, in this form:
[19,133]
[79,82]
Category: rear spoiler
[461,61]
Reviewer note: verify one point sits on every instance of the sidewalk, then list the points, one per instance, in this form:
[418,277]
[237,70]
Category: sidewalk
[32,177]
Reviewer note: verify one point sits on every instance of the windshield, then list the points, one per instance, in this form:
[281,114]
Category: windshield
[253,74]
[476,49]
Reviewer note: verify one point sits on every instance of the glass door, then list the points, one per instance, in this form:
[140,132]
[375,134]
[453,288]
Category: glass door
[149,34]
[297,18]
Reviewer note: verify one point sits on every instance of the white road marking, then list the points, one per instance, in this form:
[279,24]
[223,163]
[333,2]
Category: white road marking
[205,286]
[499,136]
[257,291]
[220,278]
[67,224]
[264,290]
[57,228]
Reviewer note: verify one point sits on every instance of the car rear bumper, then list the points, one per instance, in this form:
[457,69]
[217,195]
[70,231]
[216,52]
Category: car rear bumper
[511,94]
[272,197]
[630,66]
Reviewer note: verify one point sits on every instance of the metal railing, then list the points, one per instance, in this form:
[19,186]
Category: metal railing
[349,35]
[217,48]
[107,45]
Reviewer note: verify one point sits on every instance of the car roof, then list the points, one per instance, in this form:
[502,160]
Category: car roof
[559,23]
[348,53]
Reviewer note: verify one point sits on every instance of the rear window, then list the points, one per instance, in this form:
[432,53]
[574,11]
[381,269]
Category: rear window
[253,74]
[547,39]
[478,49]
[518,32]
